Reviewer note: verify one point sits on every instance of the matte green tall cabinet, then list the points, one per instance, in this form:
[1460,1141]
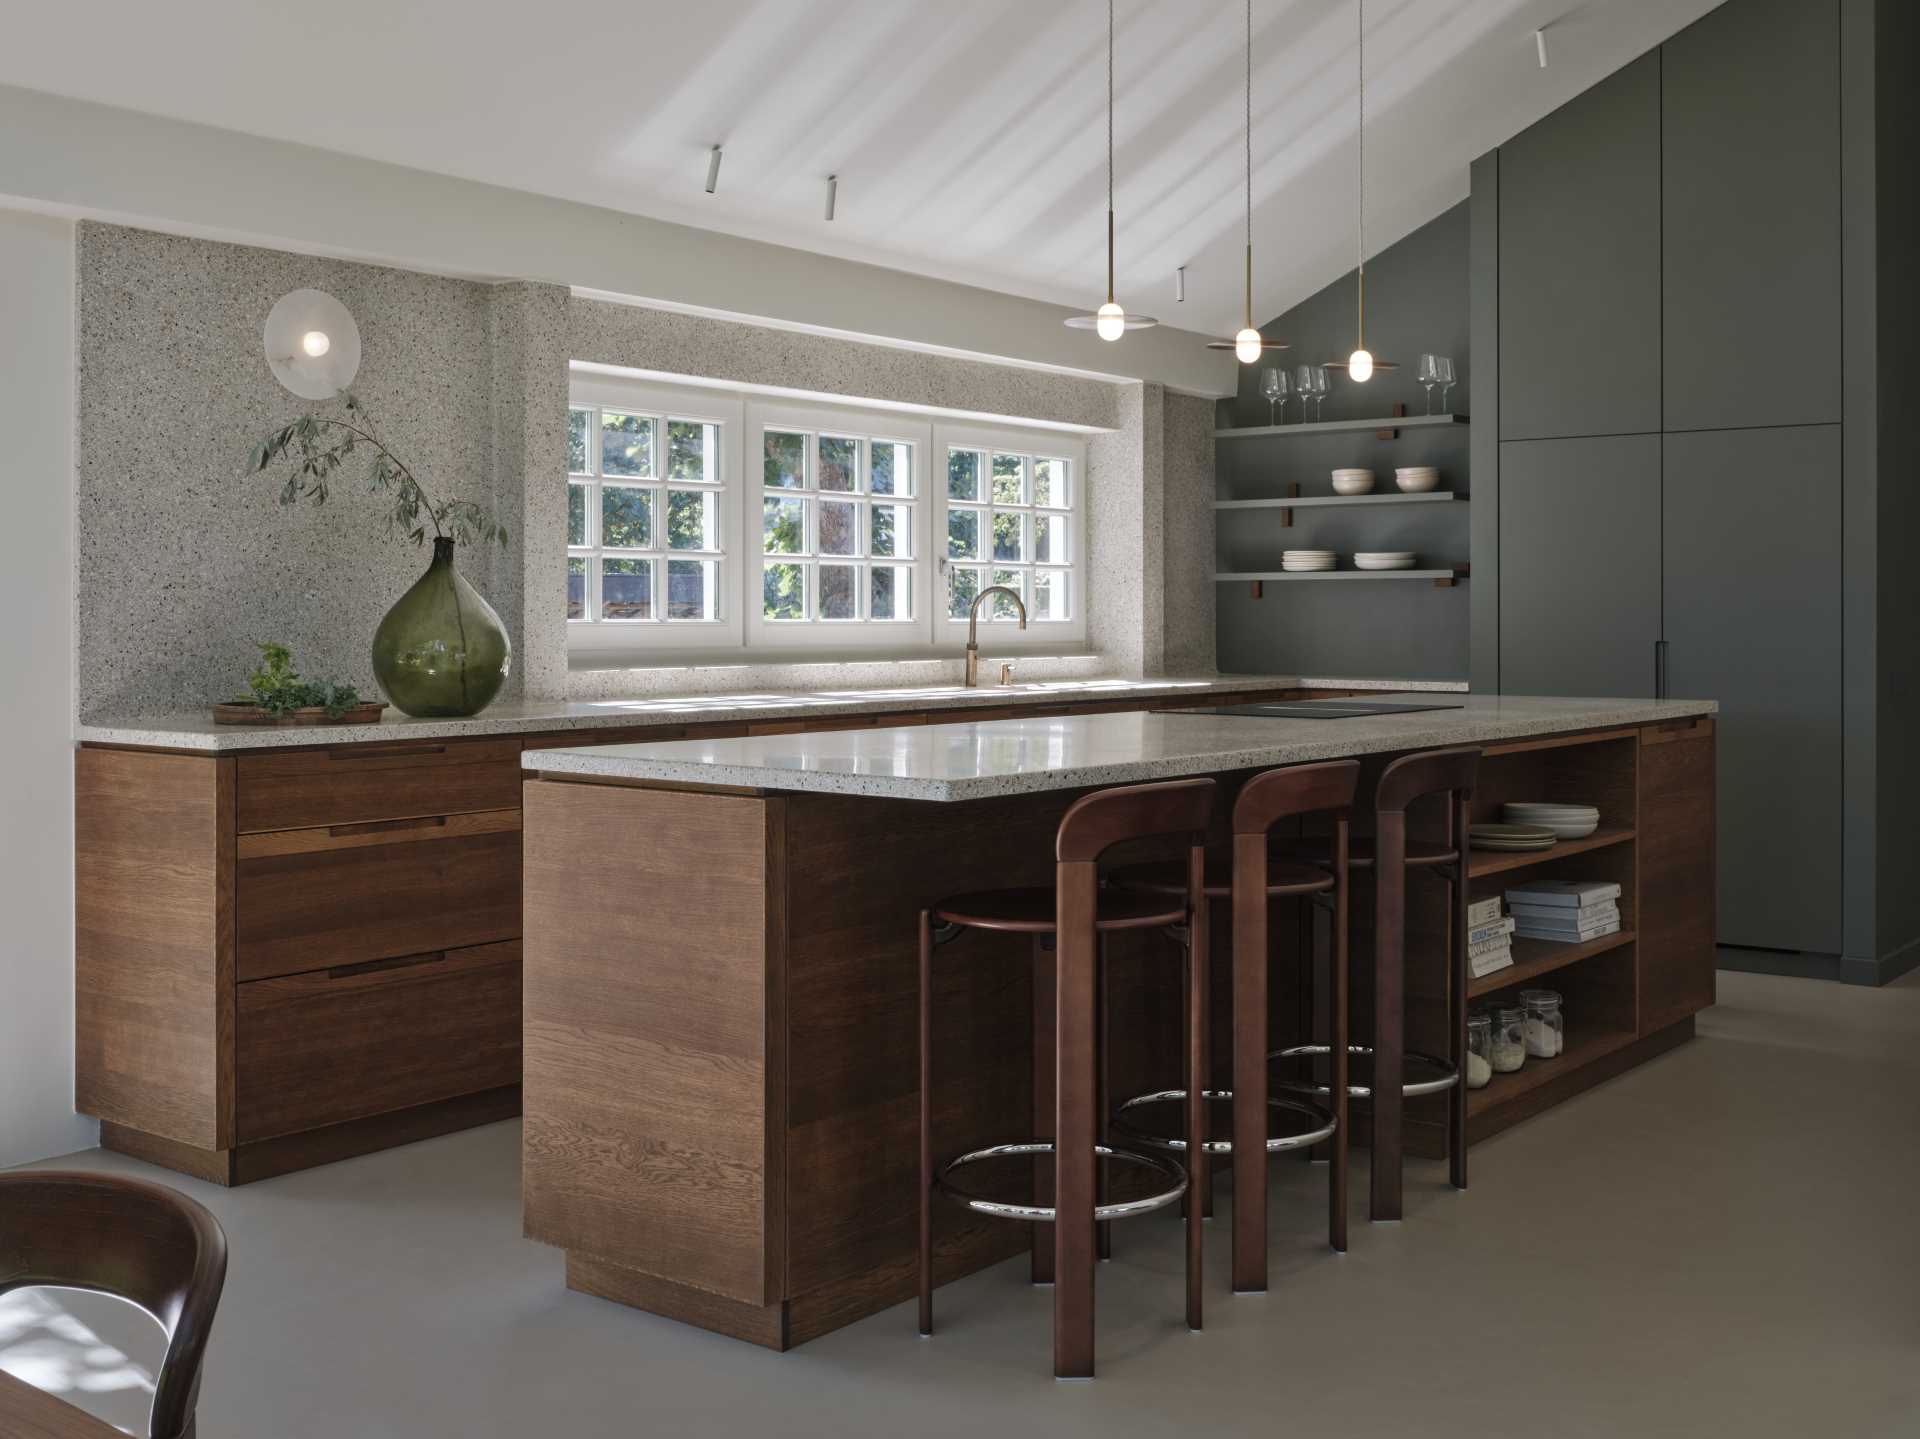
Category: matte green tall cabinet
[1673,311]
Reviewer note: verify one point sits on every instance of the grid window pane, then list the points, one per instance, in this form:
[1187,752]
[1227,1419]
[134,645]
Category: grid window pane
[1009,536]
[783,592]
[892,467]
[1049,482]
[891,531]
[576,514]
[577,422]
[1000,607]
[892,593]
[626,589]
[963,584]
[690,590]
[1049,595]
[963,474]
[783,526]
[963,534]
[839,592]
[784,466]
[690,520]
[1050,539]
[839,527]
[690,447]
[1009,480]
[626,517]
[576,589]
[626,444]
[839,463]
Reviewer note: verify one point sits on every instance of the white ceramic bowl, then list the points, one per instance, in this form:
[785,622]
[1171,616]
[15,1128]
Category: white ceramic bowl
[1353,482]
[1416,481]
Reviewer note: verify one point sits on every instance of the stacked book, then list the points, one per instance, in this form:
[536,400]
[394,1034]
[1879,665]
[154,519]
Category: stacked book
[1571,911]
[1489,938]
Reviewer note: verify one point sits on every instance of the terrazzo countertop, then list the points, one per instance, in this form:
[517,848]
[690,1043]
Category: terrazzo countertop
[197,731]
[961,761]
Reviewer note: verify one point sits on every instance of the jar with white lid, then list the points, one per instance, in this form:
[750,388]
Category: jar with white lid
[1479,1049]
[1509,1038]
[1546,1029]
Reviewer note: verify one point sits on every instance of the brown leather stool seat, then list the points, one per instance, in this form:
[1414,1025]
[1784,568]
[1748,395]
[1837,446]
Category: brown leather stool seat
[1284,877]
[1032,910]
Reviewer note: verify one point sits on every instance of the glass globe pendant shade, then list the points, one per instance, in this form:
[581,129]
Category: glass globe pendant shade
[1247,346]
[1360,366]
[1110,321]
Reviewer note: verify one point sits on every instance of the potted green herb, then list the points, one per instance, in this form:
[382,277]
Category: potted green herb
[279,696]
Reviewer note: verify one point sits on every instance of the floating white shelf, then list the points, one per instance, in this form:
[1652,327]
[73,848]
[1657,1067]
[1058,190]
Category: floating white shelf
[1330,502]
[1335,427]
[1440,576]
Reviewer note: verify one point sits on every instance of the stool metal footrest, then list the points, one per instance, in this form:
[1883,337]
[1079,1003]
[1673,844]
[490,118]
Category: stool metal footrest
[1323,1123]
[1045,1213]
[1440,1074]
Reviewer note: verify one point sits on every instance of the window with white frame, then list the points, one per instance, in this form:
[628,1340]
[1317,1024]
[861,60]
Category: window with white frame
[648,487]
[714,519]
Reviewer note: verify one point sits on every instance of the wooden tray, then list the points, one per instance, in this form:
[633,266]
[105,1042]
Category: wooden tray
[366,712]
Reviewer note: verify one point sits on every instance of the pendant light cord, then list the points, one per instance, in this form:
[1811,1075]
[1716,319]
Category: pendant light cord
[1360,317]
[1249,148]
[1110,299]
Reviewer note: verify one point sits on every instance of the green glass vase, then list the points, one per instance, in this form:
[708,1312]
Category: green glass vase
[441,651]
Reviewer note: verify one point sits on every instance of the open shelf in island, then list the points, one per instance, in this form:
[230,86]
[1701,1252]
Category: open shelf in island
[1583,1048]
[1488,861]
[1535,958]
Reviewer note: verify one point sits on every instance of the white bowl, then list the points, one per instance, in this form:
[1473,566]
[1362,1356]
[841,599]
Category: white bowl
[1353,482]
[1416,481]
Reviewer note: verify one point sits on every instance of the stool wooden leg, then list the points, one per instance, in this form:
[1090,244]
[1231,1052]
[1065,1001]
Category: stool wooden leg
[1307,1018]
[1250,908]
[1073,1237]
[1043,1099]
[1200,993]
[1337,1068]
[1389,1010]
[1457,1004]
[926,1123]
[1103,1237]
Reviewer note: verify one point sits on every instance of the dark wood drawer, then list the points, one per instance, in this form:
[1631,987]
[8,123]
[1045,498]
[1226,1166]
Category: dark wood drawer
[358,783]
[344,1043]
[347,894]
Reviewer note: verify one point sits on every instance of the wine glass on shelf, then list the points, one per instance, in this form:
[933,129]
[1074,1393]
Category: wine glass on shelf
[1446,381]
[1320,387]
[1273,387]
[1303,387]
[1429,376]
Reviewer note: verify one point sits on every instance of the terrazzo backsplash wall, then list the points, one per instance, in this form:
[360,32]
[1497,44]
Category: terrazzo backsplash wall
[182,565]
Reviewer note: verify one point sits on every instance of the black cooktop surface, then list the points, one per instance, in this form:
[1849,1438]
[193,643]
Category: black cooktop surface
[1329,709]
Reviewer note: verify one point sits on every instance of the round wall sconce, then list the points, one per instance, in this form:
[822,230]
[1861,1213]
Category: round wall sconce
[312,344]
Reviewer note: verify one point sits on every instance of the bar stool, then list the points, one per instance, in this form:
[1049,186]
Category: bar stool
[1075,913]
[1263,802]
[1391,855]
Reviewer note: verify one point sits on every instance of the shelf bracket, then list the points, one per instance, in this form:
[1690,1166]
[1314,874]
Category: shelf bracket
[1254,589]
[1286,515]
[1399,411]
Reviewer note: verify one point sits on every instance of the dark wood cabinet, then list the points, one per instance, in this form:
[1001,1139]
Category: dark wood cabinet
[1675,922]
[1579,221]
[1750,216]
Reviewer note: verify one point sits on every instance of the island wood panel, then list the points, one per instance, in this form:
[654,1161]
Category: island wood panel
[1677,907]
[154,943]
[349,902]
[651,1108]
[362,782]
[339,1044]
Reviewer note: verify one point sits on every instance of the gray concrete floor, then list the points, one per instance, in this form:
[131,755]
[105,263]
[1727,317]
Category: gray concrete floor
[1721,1242]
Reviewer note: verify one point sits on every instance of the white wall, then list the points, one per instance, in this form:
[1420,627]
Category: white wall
[36,694]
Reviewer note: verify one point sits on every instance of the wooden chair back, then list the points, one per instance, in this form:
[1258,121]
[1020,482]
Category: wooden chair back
[1279,794]
[1098,821]
[141,1242]
[1414,775]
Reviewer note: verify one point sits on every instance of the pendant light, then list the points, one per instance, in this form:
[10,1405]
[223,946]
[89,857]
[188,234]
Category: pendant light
[1361,364]
[1249,345]
[1110,322]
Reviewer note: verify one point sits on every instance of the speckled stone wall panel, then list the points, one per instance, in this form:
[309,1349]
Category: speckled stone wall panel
[645,339]
[181,565]
[1187,508]
[1116,537]
[530,340]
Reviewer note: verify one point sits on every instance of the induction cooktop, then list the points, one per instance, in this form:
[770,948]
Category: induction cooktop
[1329,709]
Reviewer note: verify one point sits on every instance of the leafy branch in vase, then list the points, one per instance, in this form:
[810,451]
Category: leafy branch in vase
[315,446]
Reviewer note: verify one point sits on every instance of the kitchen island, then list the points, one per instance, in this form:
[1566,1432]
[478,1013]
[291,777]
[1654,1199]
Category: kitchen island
[721,1090]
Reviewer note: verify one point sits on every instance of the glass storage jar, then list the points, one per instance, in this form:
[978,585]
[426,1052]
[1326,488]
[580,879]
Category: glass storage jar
[1545,1028]
[1509,1038]
[1479,1050]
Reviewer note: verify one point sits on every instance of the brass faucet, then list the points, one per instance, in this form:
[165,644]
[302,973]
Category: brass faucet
[973,628]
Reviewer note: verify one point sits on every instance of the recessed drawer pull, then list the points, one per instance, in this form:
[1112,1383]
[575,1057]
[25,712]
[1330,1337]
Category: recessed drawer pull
[386,826]
[372,751]
[375,966]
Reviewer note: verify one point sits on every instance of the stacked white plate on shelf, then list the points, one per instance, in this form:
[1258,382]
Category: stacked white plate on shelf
[1417,479]
[1510,838]
[1383,560]
[1567,821]
[1303,560]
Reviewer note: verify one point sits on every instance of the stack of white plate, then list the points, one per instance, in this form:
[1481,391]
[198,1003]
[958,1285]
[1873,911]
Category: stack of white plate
[1417,479]
[1352,482]
[1383,560]
[1511,838]
[1307,560]
[1567,821]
